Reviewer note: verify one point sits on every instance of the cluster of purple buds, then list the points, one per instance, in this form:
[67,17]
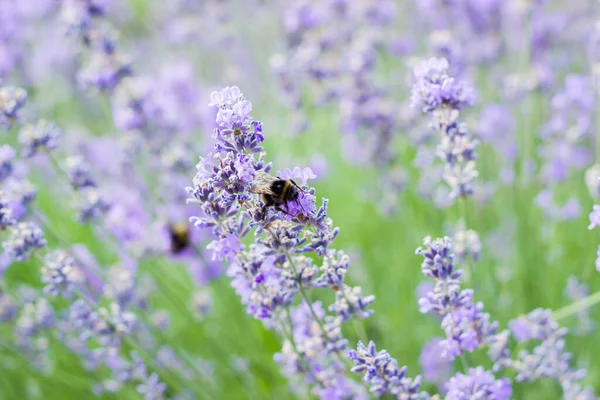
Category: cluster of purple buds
[381,372]
[78,171]
[43,136]
[12,99]
[60,273]
[7,155]
[442,97]
[478,383]
[24,238]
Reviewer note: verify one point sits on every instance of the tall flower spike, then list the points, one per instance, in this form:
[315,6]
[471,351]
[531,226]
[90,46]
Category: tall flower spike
[467,327]
[440,96]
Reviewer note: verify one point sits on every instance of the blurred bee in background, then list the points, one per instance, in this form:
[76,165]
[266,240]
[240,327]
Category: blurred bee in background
[275,192]
[180,236]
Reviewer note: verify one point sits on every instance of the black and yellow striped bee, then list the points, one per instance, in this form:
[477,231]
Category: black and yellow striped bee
[275,192]
[180,236]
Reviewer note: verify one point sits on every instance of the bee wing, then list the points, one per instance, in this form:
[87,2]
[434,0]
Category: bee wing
[262,183]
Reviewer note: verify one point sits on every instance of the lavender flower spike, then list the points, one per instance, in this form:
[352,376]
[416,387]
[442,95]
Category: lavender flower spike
[381,371]
[467,327]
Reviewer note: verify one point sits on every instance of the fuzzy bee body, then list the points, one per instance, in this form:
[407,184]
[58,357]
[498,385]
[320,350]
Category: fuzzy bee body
[180,237]
[275,192]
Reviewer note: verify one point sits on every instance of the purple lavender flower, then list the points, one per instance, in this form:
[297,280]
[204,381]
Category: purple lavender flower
[382,373]
[592,180]
[478,384]
[271,272]
[6,218]
[8,308]
[434,88]
[152,388]
[12,99]
[43,136]
[60,274]
[79,173]
[594,217]
[467,327]
[548,359]
[442,98]
[92,204]
[7,154]
[436,369]
[349,303]
[301,174]
[24,238]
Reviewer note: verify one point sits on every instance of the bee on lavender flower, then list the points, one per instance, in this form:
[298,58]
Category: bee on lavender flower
[275,192]
[180,236]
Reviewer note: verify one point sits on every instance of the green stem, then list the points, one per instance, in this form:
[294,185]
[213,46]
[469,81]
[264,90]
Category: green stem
[577,306]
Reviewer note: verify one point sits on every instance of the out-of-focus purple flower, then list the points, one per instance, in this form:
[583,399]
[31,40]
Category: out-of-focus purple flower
[478,384]
[152,388]
[436,369]
[381,372]
[496,126]
[43,136]
[8,308]
[12,99]
[598,259]
[24,238]
[6,218]
[594,217]
[79,173]
[301,174]
[226,248]
[7,154]
[92,204]
[592,180]
[548,359]
[60,274]
[433,88]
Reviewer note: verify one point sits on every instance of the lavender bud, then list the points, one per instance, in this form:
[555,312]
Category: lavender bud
[12,99]
[60,274]
[42,136]
[24,238]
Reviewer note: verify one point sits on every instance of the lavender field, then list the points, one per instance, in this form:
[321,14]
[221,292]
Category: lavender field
[299,199]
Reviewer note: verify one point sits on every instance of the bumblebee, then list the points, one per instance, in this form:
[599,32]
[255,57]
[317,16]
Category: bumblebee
[275,192]
[180,237]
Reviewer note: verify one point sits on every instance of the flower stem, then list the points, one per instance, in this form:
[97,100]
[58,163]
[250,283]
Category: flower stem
[577,306]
